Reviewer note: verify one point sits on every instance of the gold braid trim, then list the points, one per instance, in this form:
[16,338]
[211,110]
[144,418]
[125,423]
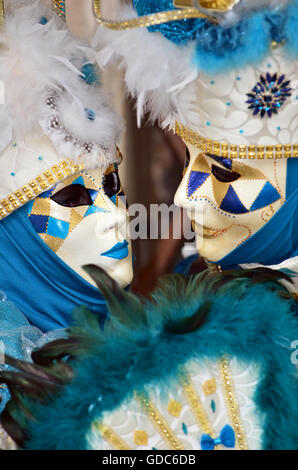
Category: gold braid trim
[148,20]
[160,423]
[197,408]
[225,150]
[110,436]
[232,405]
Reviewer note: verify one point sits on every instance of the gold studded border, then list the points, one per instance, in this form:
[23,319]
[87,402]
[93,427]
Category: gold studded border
[37,186]
[225,150]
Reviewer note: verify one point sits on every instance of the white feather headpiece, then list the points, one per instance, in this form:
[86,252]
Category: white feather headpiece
[52,123]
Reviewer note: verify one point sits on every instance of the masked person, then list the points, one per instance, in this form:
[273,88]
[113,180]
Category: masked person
[61,201]
[210,364]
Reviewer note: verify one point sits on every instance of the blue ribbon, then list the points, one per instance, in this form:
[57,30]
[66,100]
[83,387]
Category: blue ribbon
[226,438]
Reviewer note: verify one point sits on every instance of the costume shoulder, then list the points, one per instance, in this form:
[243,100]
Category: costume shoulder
[205,364]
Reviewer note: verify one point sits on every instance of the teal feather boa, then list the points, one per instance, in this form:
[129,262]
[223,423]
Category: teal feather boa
[140,348]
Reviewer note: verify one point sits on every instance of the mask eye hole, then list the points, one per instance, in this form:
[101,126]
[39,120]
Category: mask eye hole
[224,176]
[111,183]
[73,195]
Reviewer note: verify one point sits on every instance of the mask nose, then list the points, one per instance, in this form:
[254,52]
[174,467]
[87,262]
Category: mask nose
[118,223]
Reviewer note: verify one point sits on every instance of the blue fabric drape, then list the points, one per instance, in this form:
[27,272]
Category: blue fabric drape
[37,281]
[278,239]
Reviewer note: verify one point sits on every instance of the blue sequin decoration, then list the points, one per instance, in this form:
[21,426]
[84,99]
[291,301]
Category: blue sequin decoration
[213,406]
[43,20]
[90,75]
[90,114]
[269,95]
[179,32]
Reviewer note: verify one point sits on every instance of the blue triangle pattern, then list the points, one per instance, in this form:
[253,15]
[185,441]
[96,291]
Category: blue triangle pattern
[79,180]
[114,199]
[232,204]
[93,194]
[267,196]
[226,162]
[196,179]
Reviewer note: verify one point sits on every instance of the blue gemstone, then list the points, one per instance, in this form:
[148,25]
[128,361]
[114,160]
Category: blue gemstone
[268,95]
[90,114]
[43,20]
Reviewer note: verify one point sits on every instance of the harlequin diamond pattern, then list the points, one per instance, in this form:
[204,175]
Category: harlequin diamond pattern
[54,224]
[250,192]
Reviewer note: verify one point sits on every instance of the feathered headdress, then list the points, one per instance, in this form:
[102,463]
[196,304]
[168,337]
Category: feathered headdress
[164,45]
[55,120]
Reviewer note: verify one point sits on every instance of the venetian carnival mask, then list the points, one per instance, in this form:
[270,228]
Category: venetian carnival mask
[83,220]
[229,200]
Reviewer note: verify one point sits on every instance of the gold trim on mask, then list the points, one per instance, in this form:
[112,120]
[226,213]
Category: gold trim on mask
[37,186]
[225,150]
[149,20]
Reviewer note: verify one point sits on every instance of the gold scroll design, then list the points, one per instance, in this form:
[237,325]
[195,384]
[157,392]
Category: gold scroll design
[149,20]
[225,150]
[37,186]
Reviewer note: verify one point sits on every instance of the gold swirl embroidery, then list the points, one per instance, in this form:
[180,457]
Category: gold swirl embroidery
[232,405]
[110,436]
[160,423]
[149,20]
[225,150]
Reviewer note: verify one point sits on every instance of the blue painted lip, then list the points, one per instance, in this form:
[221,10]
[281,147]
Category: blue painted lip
[119,251]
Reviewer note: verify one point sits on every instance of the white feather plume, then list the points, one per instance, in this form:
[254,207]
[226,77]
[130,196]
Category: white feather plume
[37,60]
[157,72]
